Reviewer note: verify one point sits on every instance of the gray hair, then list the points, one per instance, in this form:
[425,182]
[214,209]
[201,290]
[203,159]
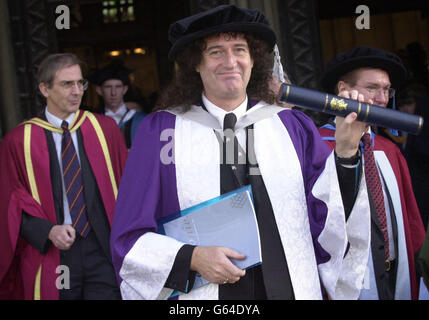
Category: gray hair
[54,62]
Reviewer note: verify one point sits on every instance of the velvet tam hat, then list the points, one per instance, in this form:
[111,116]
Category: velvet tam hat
[225,18]
[114,70]
[362,57]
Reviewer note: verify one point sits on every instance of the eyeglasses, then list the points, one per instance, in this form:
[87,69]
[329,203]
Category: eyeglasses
[82,84]
[372,90]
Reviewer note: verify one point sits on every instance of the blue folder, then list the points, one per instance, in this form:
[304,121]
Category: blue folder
[228,220]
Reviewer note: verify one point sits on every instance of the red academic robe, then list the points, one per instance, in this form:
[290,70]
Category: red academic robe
[413,226]
[20,262]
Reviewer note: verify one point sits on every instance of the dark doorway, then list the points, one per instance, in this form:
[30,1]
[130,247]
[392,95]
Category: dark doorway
[135,31]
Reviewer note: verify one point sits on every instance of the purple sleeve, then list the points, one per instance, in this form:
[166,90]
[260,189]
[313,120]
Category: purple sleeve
[147,190]
[312,152]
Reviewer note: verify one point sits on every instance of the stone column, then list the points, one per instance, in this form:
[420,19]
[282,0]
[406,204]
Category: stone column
[10,114]
[301,41]
[33,38]
[301,45]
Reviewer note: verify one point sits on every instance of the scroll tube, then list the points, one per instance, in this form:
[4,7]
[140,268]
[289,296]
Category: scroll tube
[332,104]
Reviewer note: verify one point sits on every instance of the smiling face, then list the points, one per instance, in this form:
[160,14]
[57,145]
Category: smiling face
[61,100]
[373,83]
[225,70]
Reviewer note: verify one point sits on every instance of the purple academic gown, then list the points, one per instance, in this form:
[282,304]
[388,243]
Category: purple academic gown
[149,191]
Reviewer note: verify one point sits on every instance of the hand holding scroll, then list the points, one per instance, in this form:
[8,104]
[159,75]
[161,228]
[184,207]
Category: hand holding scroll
[349,130]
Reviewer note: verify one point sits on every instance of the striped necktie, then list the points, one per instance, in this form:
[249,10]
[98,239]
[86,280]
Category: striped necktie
[72,174]
[374,186]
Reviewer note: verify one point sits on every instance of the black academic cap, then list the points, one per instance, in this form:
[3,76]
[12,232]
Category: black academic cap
[225,18]
[114,70]
[362,57]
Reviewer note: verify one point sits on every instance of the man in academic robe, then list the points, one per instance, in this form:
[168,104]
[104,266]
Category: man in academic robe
[112,83]
[60,174]
[391,274]
[179,159]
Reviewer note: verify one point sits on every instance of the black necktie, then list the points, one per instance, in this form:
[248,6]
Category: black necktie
[274,282]
[233,167]
[229,139]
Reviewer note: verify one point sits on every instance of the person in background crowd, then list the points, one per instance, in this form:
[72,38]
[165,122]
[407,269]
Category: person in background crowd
[112,83]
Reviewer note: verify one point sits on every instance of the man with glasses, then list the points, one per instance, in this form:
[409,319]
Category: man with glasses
[60,174]
[396,227]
